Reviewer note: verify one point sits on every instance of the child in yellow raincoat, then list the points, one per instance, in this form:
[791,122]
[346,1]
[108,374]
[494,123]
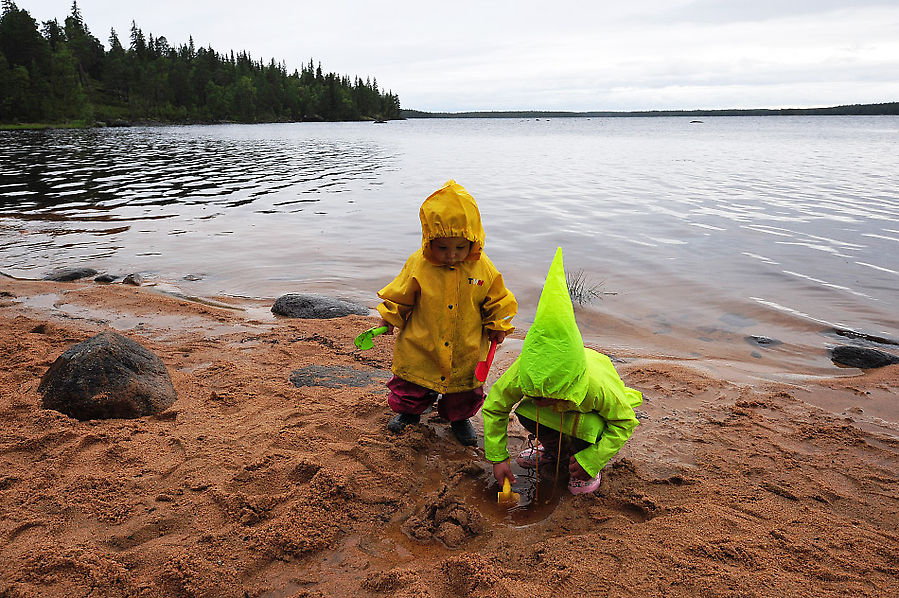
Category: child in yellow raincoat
[560,385]
[448,303]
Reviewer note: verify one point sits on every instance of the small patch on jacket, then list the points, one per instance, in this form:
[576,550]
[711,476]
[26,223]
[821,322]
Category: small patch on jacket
[475,281]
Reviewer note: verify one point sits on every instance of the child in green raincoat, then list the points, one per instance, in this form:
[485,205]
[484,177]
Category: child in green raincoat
[448,303]
[560,385]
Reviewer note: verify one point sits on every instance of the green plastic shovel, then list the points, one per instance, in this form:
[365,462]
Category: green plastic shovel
[364,340]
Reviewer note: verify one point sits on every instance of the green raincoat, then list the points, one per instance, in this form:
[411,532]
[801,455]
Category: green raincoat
[554,363]
[443,312]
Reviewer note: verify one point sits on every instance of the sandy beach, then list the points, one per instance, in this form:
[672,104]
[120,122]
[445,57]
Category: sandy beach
[273,474]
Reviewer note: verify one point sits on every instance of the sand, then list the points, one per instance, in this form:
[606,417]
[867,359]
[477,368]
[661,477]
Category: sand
[252,485]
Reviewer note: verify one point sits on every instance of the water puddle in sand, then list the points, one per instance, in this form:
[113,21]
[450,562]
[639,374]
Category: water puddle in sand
[158,323]
[457,490]
[478,490]
[40,302]
[360,557]
[536,503]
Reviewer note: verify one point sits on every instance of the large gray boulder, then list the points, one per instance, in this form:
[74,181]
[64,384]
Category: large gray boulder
[107,376]
[69,274]
[315,307]
[861,357]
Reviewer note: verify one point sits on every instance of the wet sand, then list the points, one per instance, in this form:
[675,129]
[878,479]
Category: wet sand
[253,486]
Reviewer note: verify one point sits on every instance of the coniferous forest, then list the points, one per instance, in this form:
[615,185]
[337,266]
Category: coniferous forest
[60,73]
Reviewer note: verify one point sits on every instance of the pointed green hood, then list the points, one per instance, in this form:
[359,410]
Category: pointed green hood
[552,362]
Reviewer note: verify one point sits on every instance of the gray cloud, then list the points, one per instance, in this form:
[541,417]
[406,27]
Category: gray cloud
[728,11]
[503,55]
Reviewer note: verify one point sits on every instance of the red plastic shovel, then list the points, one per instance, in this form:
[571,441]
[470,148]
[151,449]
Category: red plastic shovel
[480,372]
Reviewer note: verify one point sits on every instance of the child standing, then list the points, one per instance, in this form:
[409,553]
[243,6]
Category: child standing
[448,302]
[570,396]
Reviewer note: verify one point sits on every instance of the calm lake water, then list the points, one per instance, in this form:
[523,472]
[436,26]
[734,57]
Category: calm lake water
[695,235]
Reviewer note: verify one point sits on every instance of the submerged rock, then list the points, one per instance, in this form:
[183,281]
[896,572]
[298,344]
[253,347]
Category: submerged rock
[107,376]
[737,320]
[862,357]
[134,279]
[336,376]
[315,307]
[862,335]
[69,274]
[762,341]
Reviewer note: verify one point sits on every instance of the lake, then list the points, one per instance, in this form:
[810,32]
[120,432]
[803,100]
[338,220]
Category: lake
[735,242]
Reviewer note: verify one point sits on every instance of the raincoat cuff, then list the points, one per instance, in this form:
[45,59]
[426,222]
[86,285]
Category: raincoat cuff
[502,326]
[390,313]
[497,457]
[493,326]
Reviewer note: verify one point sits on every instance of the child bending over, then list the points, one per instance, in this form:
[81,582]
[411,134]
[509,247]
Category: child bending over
[565,387]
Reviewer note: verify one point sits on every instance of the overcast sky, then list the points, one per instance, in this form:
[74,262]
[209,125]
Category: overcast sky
[562,55]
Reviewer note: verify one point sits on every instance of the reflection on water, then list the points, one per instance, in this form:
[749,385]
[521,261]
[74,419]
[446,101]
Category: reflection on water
[86,175]
[539,498]
[789,222]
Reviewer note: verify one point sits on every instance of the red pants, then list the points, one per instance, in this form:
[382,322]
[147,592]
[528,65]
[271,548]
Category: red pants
[408,397]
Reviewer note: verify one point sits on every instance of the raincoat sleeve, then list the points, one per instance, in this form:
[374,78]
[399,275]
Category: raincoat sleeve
[504,395]
[620,423]
[499,307]
[399,297]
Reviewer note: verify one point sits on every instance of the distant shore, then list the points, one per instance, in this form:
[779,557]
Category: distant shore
[101,124]
[885,109]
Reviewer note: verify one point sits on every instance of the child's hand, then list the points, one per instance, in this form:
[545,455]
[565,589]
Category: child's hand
[383,322]
[576,471]
[503,470]
[496,336]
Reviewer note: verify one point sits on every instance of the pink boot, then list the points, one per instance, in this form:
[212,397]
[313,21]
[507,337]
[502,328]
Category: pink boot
[584,486]
[528,457]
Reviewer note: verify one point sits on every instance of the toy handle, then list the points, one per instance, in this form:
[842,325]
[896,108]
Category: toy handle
[483,367]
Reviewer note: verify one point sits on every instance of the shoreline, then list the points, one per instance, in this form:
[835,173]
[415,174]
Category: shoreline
[251,485]
[877,109]
[742,358]
[117,123]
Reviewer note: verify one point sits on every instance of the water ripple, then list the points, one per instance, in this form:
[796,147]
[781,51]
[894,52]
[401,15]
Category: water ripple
[797,214]
[74,174]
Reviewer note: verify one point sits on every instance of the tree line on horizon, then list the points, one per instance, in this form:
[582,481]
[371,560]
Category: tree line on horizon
[881,109]
[63,74]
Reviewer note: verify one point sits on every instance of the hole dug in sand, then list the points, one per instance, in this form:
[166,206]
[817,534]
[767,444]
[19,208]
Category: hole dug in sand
[465,506]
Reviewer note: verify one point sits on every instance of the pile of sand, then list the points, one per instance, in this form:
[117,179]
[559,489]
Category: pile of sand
[252,485]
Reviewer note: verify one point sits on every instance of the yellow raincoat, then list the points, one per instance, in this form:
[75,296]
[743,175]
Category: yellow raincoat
[443,312]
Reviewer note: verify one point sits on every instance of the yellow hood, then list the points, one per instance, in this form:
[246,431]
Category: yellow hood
[451,211]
